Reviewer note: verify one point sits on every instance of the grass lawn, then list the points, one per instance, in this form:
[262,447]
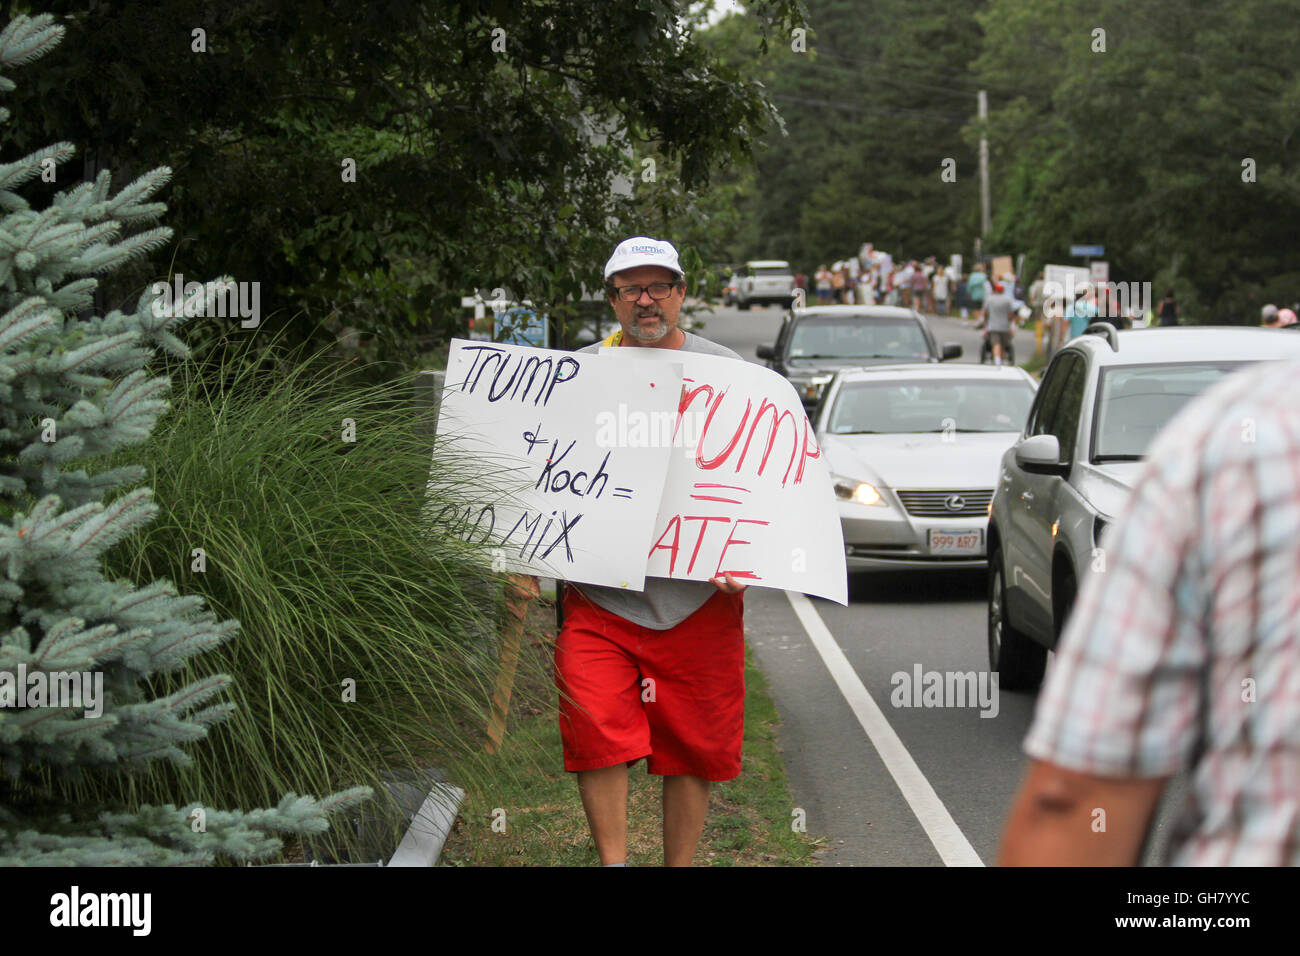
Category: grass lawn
[537,801]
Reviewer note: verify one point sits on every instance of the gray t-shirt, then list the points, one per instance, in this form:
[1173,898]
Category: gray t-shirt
[664,603]
[998,309]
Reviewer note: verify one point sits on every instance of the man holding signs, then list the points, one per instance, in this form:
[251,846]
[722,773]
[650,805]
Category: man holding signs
[659,673]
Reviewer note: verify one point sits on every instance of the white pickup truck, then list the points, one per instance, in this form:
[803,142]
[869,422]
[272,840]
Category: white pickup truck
[765,282]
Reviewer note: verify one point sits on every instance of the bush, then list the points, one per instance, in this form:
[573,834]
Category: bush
[317,546]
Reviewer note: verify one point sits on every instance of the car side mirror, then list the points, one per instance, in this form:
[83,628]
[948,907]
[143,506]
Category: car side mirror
[1041,455]
[765,352]
[951,350]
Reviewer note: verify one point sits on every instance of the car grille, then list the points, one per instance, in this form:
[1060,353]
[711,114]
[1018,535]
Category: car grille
[933,504]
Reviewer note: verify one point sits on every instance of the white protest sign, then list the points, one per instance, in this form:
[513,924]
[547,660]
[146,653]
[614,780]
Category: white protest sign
[549,499]
[1061,285]
[748,492]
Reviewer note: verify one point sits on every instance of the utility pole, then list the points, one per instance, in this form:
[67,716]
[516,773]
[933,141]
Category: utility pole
[985,217]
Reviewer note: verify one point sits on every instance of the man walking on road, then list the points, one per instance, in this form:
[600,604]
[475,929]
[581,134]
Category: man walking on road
[1183,654]
[998,307]
[660,673]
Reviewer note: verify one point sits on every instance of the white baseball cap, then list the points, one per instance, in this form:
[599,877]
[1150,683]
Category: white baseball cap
[643,251]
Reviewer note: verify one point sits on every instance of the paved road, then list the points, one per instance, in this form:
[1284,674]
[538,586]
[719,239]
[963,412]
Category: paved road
[867,773]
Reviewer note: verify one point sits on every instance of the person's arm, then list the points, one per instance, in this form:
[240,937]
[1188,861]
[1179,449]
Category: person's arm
[1064,818]
[728,584]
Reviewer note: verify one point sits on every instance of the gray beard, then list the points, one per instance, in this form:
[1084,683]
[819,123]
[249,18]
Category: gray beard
[641,336]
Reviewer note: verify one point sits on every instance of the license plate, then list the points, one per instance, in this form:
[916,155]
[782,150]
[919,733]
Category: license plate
[957,542]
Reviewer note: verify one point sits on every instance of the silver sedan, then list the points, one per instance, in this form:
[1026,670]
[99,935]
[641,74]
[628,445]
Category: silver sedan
[914,452]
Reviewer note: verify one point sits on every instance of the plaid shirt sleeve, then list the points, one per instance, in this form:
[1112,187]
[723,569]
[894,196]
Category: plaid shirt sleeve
[1123,697]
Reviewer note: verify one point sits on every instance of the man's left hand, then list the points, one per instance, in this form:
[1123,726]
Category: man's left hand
[728,584]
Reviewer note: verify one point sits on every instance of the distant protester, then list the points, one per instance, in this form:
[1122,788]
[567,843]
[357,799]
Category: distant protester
[1168,310]
[976,290]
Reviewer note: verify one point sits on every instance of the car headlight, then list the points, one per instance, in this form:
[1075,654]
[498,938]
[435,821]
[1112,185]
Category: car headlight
[864,494]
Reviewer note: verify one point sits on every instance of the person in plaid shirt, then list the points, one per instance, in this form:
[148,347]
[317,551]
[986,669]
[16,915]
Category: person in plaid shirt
[1184,653]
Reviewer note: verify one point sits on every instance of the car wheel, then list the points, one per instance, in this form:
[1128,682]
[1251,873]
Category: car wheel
[1017,659]
[743,306]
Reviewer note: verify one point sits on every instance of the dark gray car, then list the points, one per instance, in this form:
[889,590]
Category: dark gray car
[815,343]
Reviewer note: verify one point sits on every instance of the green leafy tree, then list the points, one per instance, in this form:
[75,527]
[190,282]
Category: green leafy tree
[1163,130]
[872,107]
[74,387]
[484,135]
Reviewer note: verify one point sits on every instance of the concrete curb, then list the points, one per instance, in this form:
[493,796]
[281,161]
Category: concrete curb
[424,839]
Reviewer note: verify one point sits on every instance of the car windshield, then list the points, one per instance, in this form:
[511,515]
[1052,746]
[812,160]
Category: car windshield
[770,271]
[859,338]
[948,405]
[1135,402]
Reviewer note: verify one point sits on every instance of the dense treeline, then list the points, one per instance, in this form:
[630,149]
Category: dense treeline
[1163,130]
[370,163]
[485,136]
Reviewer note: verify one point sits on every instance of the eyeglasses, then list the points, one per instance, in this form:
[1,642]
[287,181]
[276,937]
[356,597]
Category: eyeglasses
[657,290]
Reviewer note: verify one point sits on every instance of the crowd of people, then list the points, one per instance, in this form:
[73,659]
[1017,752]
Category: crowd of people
[873,277]
[997,304]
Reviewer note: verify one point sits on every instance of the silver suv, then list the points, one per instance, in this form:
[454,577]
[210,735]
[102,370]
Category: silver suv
[1101,401]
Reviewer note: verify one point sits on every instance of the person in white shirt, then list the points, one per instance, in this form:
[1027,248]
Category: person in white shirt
[940,290]
[865,293]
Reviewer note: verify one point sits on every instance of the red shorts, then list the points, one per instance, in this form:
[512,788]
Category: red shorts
[675,697]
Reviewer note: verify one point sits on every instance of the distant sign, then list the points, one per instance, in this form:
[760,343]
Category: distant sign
[522,326]
[1087,250]
[1060,287]
[1100,271]
[516,323]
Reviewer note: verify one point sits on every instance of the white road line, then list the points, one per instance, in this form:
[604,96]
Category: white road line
[953,847]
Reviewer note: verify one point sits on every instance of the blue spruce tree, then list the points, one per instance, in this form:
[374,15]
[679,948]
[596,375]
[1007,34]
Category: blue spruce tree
[74,386]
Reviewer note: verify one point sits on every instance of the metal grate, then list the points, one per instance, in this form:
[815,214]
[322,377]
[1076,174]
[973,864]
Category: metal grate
[934,504]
